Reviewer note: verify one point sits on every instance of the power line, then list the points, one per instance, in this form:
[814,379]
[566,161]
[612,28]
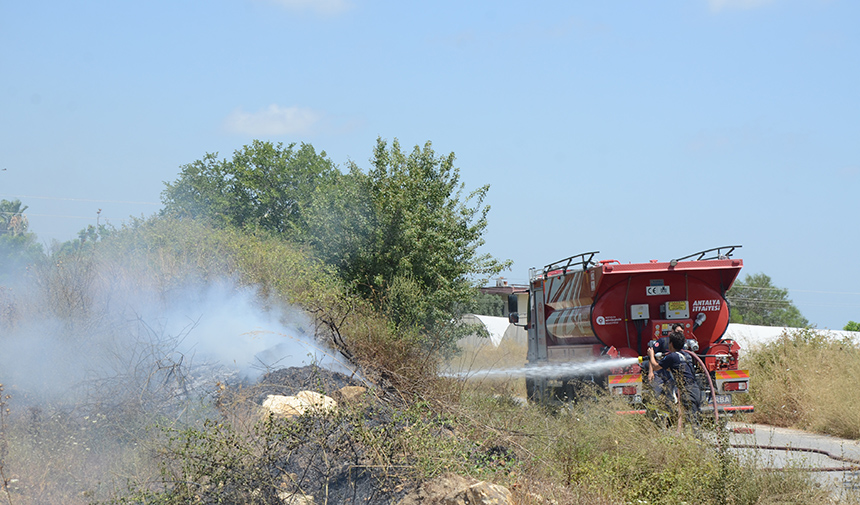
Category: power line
[774,303]
[27,214]
[797,290]
[78,199]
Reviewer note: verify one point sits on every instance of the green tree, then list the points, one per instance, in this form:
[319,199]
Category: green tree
[266,185]
[852,326]
[87,238]
[406,234]
[487,305]
[755,300]
[18,247]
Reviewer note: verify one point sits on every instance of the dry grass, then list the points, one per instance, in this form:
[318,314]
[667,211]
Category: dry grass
[480,355]
[585,453]
[57,456]
[806,380]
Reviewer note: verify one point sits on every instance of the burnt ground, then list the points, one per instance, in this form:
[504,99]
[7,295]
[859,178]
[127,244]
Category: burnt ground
[366,451]
[327,455]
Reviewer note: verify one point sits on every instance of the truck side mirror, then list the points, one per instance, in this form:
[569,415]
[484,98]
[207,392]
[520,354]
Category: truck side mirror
[512,303]
[513,313]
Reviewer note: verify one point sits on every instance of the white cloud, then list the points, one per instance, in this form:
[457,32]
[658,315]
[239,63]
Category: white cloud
[721,5]
[324,7]
[274,120]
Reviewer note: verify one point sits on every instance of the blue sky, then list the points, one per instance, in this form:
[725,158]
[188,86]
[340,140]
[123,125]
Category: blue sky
[645,130]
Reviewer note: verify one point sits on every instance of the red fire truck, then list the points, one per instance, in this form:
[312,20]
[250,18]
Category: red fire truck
[582,310]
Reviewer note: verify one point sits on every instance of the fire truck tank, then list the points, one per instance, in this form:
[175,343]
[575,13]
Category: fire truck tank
[610,304]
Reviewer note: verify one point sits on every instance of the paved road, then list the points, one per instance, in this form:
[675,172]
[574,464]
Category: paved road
[843,482]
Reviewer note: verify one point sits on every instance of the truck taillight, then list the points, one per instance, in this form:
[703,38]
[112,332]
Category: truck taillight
[624,390]
[735,386]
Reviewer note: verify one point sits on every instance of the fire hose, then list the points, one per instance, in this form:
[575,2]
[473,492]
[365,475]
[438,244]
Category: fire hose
[711,384]
[854,467]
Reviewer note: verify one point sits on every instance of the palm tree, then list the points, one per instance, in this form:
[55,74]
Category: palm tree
[12,218]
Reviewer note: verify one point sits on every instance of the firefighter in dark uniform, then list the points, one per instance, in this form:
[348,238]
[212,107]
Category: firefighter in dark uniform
[683,376]
[661,346]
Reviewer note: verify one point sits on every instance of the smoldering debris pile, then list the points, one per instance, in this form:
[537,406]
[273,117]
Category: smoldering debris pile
[289,381]
[361,452]
[325,455]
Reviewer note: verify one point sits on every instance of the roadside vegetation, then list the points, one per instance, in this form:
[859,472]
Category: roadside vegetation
[108,404]
[804,380]
[122,443]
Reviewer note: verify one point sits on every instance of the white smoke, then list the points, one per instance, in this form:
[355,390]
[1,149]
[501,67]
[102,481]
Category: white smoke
[233,326]
[143,340]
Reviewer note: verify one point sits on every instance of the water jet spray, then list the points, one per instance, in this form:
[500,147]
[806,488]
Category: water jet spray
[551,370]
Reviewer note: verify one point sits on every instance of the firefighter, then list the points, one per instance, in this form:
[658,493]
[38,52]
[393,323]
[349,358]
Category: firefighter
[682,374]
[661,345]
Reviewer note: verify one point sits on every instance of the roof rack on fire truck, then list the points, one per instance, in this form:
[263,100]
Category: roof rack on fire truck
[720,254]
[584,260]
